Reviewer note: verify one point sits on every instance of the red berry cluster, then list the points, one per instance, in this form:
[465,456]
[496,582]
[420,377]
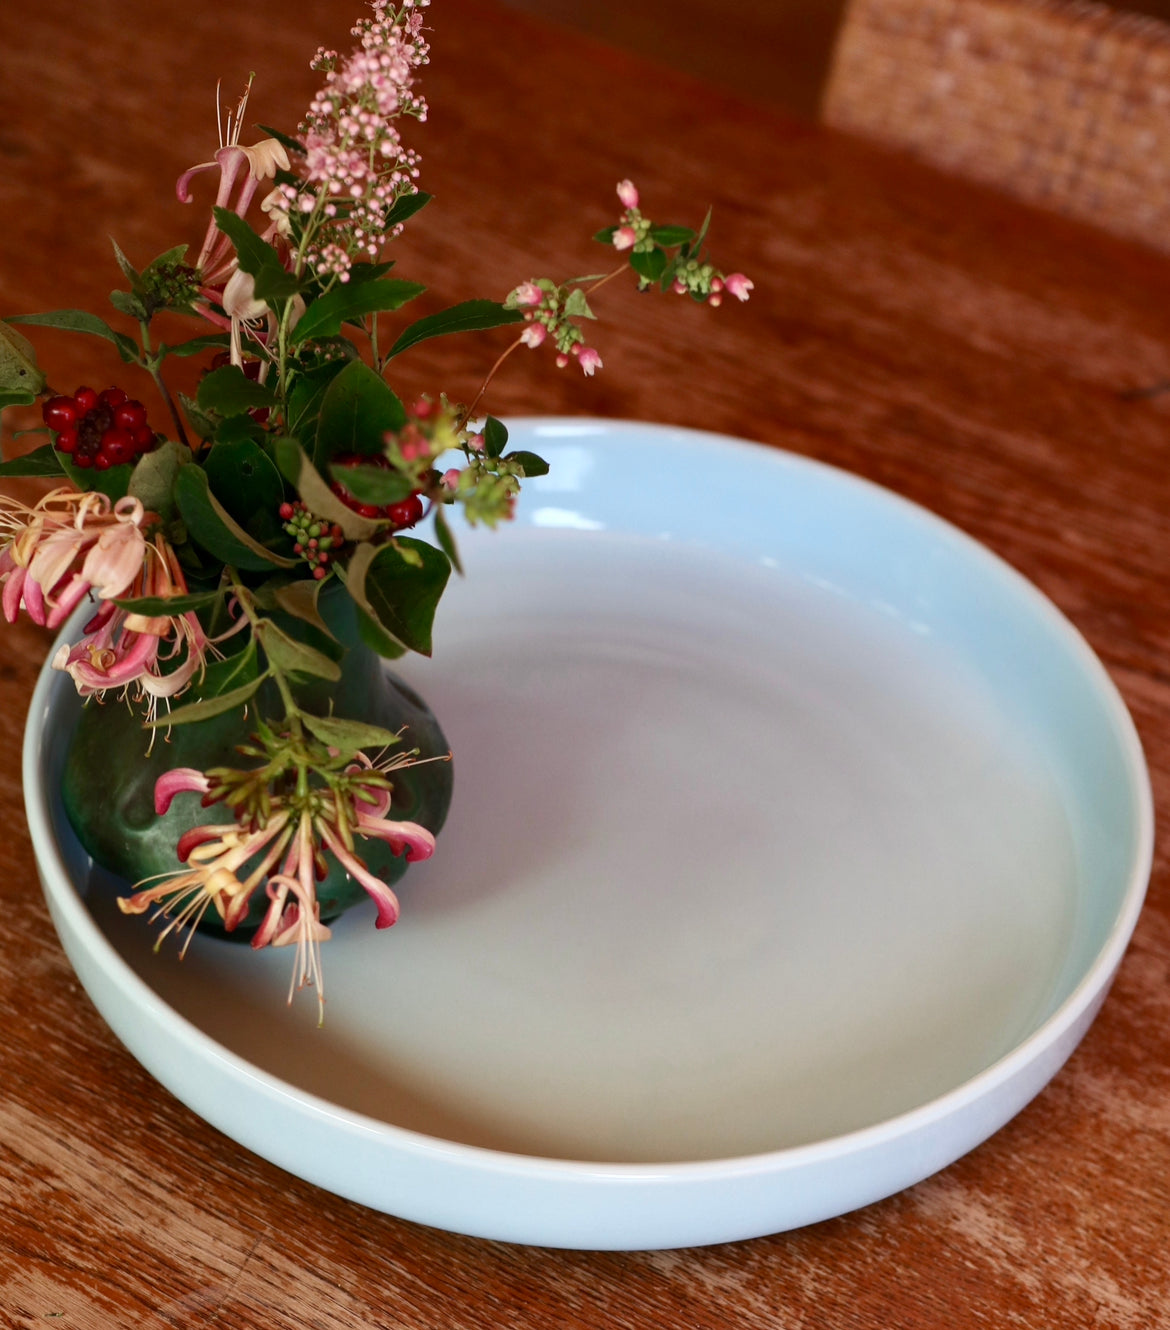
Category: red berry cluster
[316,541]
[405,513]
[99,429]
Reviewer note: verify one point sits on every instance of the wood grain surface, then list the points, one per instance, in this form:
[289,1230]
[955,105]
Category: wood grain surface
[986,361]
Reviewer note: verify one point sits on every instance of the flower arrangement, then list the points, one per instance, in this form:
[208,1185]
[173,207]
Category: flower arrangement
[214,546]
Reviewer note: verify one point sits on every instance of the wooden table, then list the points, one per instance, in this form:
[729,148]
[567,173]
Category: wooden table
[984,360]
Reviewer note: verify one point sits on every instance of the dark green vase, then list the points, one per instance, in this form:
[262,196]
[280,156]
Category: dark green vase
[109,779]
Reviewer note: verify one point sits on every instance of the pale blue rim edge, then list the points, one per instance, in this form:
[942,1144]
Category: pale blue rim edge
[1090,991]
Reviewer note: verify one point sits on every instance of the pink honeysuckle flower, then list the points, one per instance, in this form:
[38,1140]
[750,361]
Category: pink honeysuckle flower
[625,237]
[739,285]
[261,161]
[213,880]
[627,194]
[246,165]
[121,650]
[297,922]
[589,359]
[242,309]
[300,926]
[378,891]
[70,544]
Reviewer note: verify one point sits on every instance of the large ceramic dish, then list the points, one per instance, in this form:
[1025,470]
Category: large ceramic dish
[796,840]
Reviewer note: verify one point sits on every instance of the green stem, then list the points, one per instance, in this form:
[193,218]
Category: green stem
[468,412]
[153,363]
[292,713]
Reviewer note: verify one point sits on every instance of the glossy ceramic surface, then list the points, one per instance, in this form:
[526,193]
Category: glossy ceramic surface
[795,842]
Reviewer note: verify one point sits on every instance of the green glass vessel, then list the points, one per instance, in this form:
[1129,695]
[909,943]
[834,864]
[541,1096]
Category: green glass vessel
[109,778]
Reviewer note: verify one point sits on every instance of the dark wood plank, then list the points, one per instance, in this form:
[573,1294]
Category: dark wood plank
[979,358]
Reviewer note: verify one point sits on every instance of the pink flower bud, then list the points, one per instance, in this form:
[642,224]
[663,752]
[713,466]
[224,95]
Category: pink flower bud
[738,285]
[451,478]
[475,443]
[589,359]
[714,300]
[562,361]
[627,193]
[625,237]
[534,334]
[528,293]
[177,781]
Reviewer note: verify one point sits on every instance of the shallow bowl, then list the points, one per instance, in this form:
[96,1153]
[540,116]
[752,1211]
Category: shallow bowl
[796,840]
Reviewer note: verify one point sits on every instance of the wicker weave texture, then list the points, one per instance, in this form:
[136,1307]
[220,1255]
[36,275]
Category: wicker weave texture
[1063,104]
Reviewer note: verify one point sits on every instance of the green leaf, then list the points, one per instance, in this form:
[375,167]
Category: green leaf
[404,208]
[275,285]
[300,600]
[194,712]
[671,235]
[114,482]
[389,648]
[446,539]
[373,484]
[80,320]
[348,736]
[529,463]
[399,585]
[606,236]
[470,316]
[293,145]
[212,527]
[129,271]
[226,676]
[43,461]
[196,345]
[349,301]
[153,479]
[316,495]
[306,395]
[292,657]
[650,264]
[368,272]
[200,421]
[228,391]
[16,398]
[495,437]
[577,306]
[157,606]
[169,258]
[357,409]
[245,480]
[255,254]
[130,304]
[698,241]
[19,372]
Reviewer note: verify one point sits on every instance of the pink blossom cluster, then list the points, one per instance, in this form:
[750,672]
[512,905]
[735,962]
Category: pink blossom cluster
[692,277]
[548,312]
[356,165]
